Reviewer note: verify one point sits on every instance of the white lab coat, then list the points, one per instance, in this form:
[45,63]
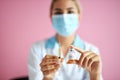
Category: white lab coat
[66,71]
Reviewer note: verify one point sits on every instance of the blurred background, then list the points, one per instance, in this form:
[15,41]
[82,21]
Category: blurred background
[23,22]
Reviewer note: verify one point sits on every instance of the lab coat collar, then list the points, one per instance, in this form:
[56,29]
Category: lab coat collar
[52,42]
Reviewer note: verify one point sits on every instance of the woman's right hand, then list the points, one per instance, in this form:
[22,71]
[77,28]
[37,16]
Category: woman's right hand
[49,65]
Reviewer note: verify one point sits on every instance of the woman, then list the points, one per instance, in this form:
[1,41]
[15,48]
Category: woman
[55,64]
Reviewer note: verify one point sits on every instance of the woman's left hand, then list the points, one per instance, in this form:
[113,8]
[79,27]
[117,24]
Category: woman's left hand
[89,60]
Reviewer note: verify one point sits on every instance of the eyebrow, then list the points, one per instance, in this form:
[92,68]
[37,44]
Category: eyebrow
[70,8]
[58,9]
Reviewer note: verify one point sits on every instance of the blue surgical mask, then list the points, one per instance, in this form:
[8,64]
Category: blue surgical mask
[65,24]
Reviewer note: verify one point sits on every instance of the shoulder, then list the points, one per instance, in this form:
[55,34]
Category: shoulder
[42,43]
[38,48]
[91,47]
[38,44]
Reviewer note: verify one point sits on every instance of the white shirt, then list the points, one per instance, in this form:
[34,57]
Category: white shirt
[66,71]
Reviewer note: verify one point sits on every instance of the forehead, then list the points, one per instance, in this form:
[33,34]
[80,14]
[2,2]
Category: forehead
[63,4]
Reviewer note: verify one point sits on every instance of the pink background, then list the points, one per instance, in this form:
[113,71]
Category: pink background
[23,22]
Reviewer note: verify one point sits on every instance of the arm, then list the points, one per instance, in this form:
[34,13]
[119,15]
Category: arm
[34,71]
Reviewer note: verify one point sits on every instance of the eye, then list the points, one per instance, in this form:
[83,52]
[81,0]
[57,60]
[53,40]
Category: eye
[70,12]
[57,13]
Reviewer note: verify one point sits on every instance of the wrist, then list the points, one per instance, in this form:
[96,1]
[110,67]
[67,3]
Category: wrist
[95,76]
[45,78]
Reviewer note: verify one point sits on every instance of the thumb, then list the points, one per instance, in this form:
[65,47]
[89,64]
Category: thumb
[78,49]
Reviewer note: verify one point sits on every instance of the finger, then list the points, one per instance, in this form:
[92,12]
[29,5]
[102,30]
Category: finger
[46,72]
[49,71]
[72,61]
[78,49]
[85,62]
[51,56]
[49,67]
[82,57]
[49,61]
[52,71]
[92,60]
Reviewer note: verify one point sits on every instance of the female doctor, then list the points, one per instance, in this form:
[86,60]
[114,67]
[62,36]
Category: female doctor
[49,59]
